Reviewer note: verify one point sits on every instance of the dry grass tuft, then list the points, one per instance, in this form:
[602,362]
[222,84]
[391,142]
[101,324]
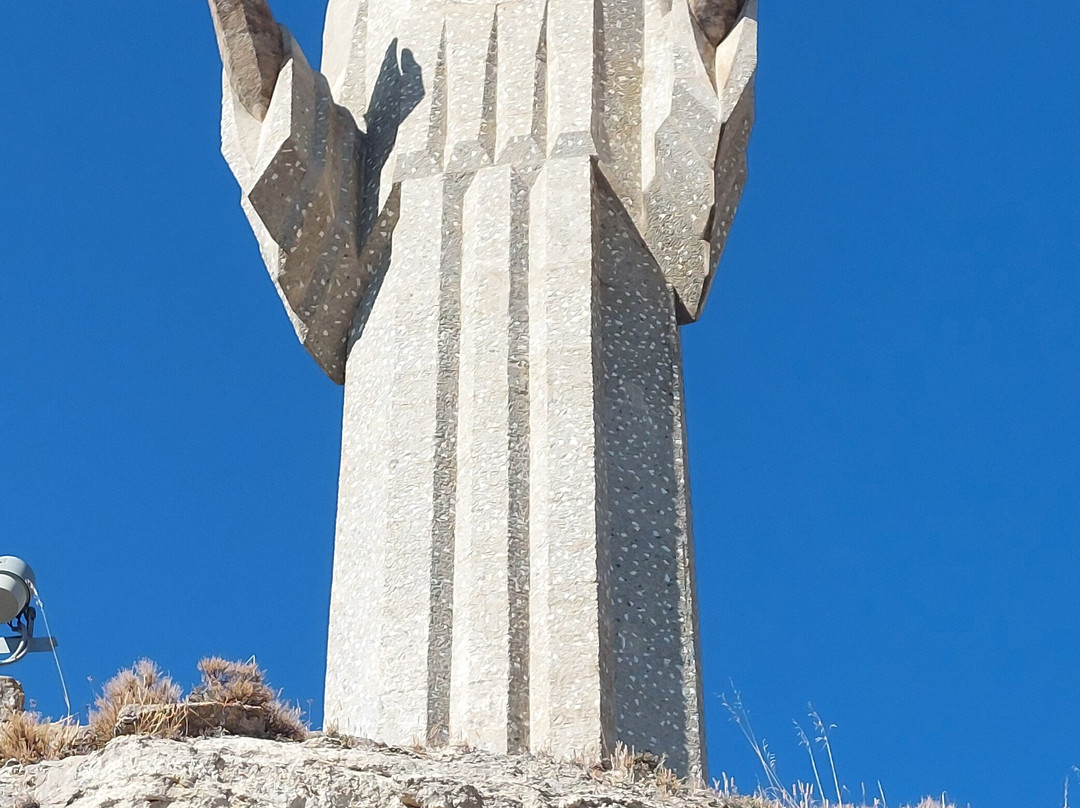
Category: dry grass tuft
[144,683]
[232,683]
[332,733]
[28,738]
[625,765]
[244,683]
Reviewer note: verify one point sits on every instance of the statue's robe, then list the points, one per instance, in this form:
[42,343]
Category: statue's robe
[488,221]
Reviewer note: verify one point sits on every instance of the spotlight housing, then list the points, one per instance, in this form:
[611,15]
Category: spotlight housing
[16,593]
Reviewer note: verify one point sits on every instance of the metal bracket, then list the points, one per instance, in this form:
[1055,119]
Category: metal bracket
[36,645]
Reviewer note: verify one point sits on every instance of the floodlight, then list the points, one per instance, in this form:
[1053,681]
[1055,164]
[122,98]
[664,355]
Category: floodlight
[16,592]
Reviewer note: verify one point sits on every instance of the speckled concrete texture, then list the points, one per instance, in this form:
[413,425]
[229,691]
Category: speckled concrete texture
[488,219]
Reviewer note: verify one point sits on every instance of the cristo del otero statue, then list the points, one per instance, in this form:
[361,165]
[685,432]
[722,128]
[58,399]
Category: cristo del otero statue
[488,219]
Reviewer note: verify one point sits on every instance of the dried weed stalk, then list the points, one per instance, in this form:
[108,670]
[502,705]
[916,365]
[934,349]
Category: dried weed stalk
[625,765]
[332,733]
[774,794]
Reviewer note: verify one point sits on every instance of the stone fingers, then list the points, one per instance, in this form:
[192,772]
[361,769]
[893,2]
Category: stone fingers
[251,49]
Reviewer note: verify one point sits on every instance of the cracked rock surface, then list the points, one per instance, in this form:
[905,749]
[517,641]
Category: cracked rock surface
[140,772]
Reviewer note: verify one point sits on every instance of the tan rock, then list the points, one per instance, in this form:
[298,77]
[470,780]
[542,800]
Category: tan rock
[12,699]
[192,718]
[331,773]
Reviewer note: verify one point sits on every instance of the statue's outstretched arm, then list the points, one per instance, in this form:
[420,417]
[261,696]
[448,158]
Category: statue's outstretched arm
[699,107]
[251,48]
[298,157]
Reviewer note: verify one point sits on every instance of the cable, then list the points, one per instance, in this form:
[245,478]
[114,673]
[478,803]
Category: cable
[56,656]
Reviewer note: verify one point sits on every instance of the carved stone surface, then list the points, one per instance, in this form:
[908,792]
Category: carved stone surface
[250,42]
[302,182]
[489,220]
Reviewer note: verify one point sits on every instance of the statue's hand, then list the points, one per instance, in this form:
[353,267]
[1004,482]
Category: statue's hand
[251,48]
[694,163]
[716,17]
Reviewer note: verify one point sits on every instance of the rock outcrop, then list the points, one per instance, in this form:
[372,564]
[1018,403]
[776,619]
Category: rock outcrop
[12,698]
[331,772]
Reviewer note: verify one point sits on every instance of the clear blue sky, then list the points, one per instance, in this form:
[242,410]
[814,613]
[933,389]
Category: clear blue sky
[883,395]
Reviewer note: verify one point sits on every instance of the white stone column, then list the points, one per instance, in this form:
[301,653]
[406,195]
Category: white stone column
[381,654]
[569,688]
[481,675]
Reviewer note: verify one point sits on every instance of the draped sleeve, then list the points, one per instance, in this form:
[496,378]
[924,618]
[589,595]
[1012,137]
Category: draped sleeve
[300,174]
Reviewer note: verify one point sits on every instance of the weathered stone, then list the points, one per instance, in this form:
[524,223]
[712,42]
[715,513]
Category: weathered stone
[12,699]
[251,49]
[331,773]
[496,268]
[192,718]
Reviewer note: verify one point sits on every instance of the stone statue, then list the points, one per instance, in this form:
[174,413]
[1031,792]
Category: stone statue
[488,221]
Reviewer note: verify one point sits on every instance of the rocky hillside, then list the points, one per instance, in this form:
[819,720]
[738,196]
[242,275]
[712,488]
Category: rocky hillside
[329,772]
